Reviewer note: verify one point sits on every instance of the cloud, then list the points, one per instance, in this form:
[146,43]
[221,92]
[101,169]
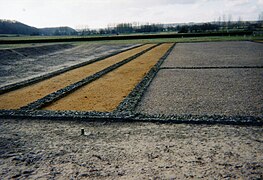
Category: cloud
[235,3]
[260,2]
[100,13]
[179,1]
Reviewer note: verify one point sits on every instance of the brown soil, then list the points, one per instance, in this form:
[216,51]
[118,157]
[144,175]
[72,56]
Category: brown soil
[106,93]
[21,97]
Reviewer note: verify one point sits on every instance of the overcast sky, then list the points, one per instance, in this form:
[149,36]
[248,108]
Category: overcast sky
[100,13]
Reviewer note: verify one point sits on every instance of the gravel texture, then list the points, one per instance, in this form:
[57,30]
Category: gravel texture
[213,54]
[20,64]
[205,92]
[128,105]
[48,149]
[21,97]
[107,92]
[112,149]
[34,51]
[126,116]
[49,99]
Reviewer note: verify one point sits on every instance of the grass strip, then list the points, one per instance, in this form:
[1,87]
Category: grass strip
[22,40]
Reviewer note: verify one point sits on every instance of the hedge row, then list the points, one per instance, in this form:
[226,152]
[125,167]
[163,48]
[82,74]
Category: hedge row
[125,37]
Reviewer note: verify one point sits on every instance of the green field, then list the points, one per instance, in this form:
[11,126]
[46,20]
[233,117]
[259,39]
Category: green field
[132,41]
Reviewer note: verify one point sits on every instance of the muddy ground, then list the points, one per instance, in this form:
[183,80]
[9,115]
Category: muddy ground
[24,63]
[45,149]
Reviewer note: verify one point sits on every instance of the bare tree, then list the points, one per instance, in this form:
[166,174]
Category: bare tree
[239,21]
[260,18]
[229,20]
[219,20]
[224,20]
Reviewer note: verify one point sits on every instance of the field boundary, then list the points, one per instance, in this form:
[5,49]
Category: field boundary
[128,105]
[37,79]
[215,67]
[125,37]
[73,87]
[125,111]
[112,117]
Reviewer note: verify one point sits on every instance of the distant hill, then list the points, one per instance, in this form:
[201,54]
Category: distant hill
[15,27]
[58,31]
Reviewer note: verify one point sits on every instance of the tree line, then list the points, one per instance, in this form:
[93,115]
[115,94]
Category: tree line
[222,24]
[129,28]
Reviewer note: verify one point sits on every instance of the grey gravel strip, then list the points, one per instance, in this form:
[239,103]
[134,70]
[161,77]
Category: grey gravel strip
[21,84]
[202,119]
[71,88]
[128,105]
[216,67]
[63,115]
[112,117]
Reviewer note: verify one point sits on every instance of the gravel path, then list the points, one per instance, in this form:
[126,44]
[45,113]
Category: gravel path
[209,91]
[211,54]
[24,63]
[43,149]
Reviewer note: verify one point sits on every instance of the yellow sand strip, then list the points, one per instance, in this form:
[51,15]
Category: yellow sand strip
[106,93]
[21,97]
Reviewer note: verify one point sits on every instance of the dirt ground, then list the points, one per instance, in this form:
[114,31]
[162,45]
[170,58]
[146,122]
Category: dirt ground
[24,63]
[106,93]
[52,149]
[21,97]
[45,149]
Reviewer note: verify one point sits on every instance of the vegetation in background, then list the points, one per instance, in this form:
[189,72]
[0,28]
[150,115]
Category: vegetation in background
[221,25]
[130,28]
[13,32]
[15,28]
[141,41]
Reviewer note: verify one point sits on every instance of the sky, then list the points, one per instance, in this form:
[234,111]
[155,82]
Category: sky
[101,13]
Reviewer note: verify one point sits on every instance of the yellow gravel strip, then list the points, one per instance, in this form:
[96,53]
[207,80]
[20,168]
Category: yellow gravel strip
[106,93]
[21,97]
